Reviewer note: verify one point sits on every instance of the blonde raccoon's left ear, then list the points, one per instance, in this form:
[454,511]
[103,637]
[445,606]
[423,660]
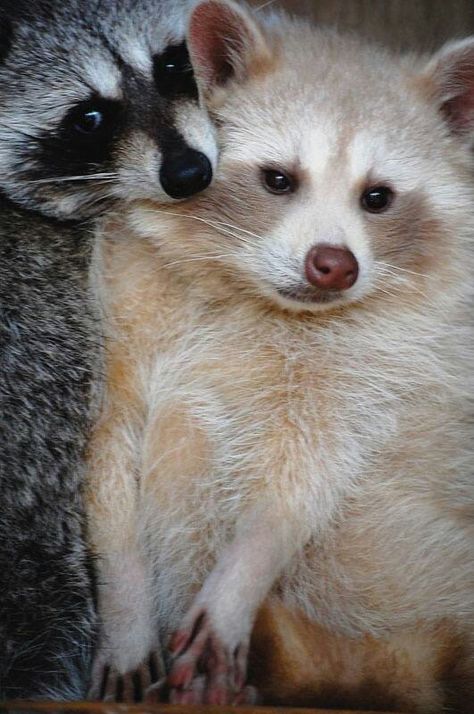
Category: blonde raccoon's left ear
[451,74]
[225,42]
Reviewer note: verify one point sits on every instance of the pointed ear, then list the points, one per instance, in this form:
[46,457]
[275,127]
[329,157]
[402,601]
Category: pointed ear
[225,42]
[451,72]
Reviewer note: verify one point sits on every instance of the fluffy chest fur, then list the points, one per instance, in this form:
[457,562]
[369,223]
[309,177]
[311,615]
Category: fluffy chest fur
[230,399]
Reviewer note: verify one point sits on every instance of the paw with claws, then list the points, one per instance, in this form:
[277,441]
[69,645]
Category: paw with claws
[109,685]
[208,667]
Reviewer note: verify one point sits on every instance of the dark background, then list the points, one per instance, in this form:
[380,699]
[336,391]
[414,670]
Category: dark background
[402,24]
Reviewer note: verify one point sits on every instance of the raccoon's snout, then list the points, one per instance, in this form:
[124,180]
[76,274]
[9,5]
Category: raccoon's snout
[185,174]
[329,267]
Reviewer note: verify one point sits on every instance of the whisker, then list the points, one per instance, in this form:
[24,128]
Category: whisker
[390,293]
[403,270]
[238,228]
[213,224]
[265,4]
[385,272]
[97,200]
[102,177]
[196,218]
[220,256]
[401,281]
[225,232]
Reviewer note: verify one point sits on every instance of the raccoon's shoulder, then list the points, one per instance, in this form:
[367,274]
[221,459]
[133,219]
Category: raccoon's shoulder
[37,249]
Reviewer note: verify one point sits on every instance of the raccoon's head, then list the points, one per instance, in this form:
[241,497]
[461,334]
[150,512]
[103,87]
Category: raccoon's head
[344,174]
[98,102]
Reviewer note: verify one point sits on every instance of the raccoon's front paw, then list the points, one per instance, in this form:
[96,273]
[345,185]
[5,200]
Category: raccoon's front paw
[207,668]
[110,685]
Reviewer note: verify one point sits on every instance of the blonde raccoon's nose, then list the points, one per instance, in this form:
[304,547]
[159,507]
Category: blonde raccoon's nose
[329,267]
[185,174]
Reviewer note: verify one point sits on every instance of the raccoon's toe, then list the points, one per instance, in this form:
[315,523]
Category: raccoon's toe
[109,685]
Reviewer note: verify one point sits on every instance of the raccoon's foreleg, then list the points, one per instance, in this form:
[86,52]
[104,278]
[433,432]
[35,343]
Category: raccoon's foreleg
[128,637]
[128,660]
[214,635]
[300,494]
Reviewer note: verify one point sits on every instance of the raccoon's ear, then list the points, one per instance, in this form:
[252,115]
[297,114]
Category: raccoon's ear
[225,42]
[451,72]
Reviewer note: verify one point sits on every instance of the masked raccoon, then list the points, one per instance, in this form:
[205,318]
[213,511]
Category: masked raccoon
[97,103]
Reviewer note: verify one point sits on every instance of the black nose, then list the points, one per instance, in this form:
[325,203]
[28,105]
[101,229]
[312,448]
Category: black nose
[185,174]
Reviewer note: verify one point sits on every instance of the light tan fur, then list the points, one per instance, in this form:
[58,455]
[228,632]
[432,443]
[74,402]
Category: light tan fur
[251,443]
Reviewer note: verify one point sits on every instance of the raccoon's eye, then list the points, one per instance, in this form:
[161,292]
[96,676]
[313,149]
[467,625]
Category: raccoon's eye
[91,120]
[277,182]
[377,199]
[88,122]
[173,73]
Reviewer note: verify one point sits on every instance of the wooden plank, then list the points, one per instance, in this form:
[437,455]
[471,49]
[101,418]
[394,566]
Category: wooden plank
[111,708]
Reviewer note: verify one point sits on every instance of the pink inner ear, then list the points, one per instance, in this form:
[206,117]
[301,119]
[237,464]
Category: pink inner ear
[459,110]
[215,36]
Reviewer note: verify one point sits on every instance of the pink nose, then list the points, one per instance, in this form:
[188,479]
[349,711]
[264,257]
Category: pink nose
[329,267]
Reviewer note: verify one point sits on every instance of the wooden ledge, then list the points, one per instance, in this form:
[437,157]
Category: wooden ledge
[106,708]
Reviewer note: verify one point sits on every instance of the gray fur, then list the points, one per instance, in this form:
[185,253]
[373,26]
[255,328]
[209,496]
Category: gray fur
[48,359]
[53,57]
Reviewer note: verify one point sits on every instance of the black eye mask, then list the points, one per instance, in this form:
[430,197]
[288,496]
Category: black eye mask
[173,73]
[91,125]
[83,140]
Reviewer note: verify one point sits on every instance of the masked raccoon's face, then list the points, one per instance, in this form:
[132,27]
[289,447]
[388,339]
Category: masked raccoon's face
[99,103]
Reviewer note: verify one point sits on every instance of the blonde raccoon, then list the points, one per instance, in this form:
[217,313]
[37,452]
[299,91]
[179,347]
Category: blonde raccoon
[289,404]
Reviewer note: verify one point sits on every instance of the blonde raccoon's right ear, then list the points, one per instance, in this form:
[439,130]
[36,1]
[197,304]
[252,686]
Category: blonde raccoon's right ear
[225,42]
[451,80]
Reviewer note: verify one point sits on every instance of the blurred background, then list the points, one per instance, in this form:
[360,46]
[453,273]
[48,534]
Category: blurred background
[400,24]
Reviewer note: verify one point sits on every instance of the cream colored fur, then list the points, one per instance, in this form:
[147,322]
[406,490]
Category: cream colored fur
[250,443]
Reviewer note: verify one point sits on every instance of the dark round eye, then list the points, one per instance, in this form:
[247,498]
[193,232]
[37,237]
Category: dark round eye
[88,122]
[173,73]
[376,199]
[172,64]
[96,120]
[276,181]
